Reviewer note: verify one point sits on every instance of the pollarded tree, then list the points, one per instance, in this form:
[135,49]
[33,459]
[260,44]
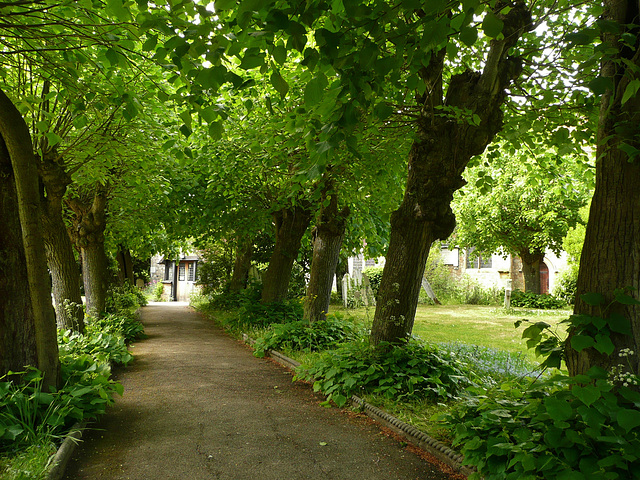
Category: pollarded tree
[520,205]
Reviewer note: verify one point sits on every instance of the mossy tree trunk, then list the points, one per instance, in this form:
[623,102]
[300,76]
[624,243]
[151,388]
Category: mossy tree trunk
[65,274]
[40,313]
[437,159]
[329,234]
[610,257]
[291,223]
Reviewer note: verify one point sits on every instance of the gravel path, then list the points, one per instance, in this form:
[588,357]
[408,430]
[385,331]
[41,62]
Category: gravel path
[198,405]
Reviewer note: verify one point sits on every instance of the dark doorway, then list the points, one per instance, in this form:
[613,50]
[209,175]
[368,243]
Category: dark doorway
[544,278]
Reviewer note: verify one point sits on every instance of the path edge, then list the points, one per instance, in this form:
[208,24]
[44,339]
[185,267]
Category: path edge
[416,437]
[62,456]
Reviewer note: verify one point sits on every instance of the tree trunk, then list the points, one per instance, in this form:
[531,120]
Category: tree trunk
[125,266]
[326,251]
[65,273]
[16,137]
[611,252]
[531,270]
[438,156]
[89,224]
[17,329]
[291,224]
[241,265]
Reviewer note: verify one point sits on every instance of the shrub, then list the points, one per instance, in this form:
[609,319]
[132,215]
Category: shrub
[302,336]
[28,414]
[533,300]
[375,276]
[566,283]
[410,371]
[124,299]
[158,290]
[257,314]
[566,428]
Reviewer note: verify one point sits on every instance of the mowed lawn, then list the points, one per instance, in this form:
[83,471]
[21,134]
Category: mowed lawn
[488,326]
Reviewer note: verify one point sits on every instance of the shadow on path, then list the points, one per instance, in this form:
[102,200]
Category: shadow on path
[198,405]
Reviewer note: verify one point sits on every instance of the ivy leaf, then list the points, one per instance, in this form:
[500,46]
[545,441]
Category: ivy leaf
[491,25]
[626,299]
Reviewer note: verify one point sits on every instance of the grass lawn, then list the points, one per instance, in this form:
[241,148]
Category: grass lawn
[488,326]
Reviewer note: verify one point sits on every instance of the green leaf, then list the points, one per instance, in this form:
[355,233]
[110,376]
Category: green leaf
[628,419]
[619,323]
[209,114]
[117,8]
[280,54]
[491,25]
[592,298]
[558,409]
[586,395]
[604,344]
[279,83]
[215,130]
[631,90]
[580,342]
[220,5]
[468,35]
[626,299]
[52,138]
[314,90]
[600,85]
[185,116]
[250,61]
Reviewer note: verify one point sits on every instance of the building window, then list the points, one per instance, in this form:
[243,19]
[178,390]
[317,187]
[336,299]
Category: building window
[478,261]
[168,271]
[181,273]
[191,274]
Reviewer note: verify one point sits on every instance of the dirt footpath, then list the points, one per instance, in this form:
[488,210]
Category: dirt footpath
[198,405]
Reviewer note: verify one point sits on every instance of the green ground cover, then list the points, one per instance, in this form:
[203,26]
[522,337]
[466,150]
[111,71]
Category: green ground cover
[486,326]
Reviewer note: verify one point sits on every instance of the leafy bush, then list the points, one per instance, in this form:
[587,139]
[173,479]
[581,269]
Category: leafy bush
[158,290]
[27,413]
[410,371]
[126,325]
[228,300]
[124,299]
[257,314]
[581,427]
[300,335]
[566,284]
[375,277]
[533,300]
[565,428]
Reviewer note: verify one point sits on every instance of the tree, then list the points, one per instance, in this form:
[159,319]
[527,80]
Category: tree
[608,261]
[520,205]
[439,155]
[15,136]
